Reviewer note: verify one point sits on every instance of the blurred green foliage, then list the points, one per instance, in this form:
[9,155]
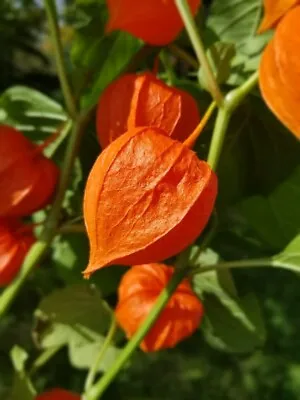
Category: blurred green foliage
[258,213]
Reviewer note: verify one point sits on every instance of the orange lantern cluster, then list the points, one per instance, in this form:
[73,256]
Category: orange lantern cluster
[148,195]
[136,100]
[147,198]
[279,72]
[58,394]
[138,291]
[157,22]
[27,184]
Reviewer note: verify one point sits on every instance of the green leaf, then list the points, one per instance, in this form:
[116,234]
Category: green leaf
[30,111]
[220,55]
[82,353]
[231,324]
[22,387]
[77,317]
[70,256]
[289,258]
[236,21]
[77,305]
[276,217]
[118,48]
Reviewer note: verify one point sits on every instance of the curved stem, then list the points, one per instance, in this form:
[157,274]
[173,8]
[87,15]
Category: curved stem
[191,28]
[171,77]
[59,56]
[184,55]
[257,262]
[232,100]
[43,358]
[97,390]
[39,249]
[190,141]
[218,137]
[94,368]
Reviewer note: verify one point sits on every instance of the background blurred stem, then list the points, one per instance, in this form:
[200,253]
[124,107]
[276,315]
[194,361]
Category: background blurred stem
[232,100]
[95,366]
[191,28]
[59,57]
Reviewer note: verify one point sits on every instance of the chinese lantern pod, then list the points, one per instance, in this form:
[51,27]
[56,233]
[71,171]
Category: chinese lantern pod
[15,241]
[274,10]
[58,394]
[143,100]
[138,291]
[147,198]
[27,178]
[279,72]
[157,22]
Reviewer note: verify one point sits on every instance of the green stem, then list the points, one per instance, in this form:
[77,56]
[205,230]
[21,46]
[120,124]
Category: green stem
[184,55]
[98,389]
[191,28]
[59,56]
[94,368]
[43,358]
[39,249]
[71,228]
[257,262]
[171,77]
[218,137]
[232,100]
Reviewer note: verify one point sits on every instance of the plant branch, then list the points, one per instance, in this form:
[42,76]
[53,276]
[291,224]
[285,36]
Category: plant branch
[39,249]
[94,368]
[191,28]
[43,358]
[97,390]
[190,140]
[59,57]
[232,100]
[257,262]
[184,55]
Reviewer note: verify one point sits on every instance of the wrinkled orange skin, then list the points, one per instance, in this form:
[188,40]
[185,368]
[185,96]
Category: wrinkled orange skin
[143,100]
[15,241]
[27,178]
[279,72]
[157,22]
[147,198]
[138,291]
[274,10]
[58,394]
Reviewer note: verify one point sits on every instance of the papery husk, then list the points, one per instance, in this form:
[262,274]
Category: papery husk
[27,177]
[279,72]
[135,100]
[274,10]
[137,293]
[147,198]
[157,22]
[15,241]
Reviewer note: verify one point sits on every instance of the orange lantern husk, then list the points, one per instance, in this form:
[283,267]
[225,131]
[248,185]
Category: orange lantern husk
[138,292]
[147,198]
[28,178]
[274,10]
[135,100]
[157,22]
[15,241]
[58,394]
[279,72]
